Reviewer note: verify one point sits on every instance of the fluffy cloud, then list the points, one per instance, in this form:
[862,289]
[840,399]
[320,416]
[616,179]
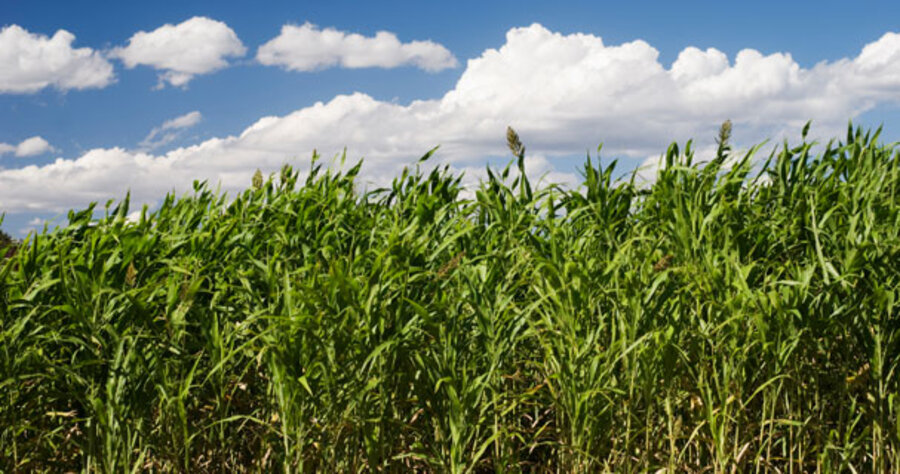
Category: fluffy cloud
[33,146]
[170,130]
[30,62]
[29,147]
[196,46]
[563,93]
[308,48]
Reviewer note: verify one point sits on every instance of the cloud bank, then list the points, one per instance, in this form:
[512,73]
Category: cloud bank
[308,48]
[195,46]
[30,62]
[562,93]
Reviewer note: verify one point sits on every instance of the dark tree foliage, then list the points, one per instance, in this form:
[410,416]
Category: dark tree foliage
[7,244]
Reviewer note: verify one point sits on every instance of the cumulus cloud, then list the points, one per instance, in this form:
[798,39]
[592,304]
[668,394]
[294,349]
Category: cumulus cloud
[562,93]
[30,62]
[170,130]
[196,46]
[308,48]
[29,147]
[33,146]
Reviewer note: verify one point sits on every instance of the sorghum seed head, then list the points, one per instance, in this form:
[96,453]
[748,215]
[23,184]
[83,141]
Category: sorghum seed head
[513,142]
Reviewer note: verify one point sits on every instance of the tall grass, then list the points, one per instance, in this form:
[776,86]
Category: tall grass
[726,318]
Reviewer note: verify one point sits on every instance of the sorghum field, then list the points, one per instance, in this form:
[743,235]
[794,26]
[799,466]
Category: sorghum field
[740,315]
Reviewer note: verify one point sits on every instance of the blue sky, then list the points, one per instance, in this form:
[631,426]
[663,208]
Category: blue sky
[127,103]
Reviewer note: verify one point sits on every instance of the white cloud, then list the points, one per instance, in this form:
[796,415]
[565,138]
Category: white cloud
[30,62]
[178,124]
[308,48]
[34,224]
[196,46]
[134,216]
[183,121]
[33,146]
[562,93]
[693,64]
[29,147]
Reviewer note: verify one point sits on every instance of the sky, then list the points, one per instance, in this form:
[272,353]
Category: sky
[101,98]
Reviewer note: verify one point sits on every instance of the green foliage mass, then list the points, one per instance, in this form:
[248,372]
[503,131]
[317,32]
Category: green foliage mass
[730,316]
